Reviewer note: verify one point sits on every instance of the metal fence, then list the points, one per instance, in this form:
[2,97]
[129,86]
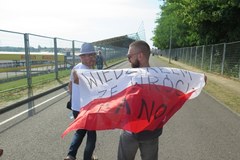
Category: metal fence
[27,57]
[25,54]
[223,59]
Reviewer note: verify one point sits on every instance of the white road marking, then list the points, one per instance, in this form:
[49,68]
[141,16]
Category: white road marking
[17,115]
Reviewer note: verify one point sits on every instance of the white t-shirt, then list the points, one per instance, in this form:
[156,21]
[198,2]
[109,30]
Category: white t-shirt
[75,91]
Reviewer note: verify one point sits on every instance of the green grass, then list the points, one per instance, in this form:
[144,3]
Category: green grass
[13,84]
[11,92]
[221,92]
[35,80]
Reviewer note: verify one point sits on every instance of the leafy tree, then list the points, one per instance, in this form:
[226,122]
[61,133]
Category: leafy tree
[197,22]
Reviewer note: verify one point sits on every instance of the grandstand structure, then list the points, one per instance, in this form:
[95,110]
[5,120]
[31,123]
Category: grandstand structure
[124,40]
[120,41]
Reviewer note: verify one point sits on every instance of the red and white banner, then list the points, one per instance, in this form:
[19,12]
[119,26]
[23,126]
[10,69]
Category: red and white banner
[133,99]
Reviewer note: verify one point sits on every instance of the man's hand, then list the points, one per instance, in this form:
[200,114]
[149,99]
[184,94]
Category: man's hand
[75,77]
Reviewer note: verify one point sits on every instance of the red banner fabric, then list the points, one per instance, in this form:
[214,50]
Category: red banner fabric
[136,108]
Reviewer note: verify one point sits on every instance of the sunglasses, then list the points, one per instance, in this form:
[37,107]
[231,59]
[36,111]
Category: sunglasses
[129,56]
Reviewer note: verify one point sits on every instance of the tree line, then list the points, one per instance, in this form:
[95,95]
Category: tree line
[197,22]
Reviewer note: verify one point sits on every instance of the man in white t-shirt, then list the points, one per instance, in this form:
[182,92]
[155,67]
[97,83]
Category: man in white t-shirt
[88,59]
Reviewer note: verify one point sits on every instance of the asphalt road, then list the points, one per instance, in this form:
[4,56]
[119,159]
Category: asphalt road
[202,130]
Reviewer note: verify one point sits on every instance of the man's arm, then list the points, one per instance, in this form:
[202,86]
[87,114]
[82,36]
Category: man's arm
[70,87]
[75,80]
[75,77]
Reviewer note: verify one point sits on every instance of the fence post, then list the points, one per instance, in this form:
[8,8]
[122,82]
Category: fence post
[170,45]
[73,51]
[27,59]
[239,69]
[190,56]
[223,58]
[180,55]
[105,51]
[56,58]
[195,58]
[203,50]
[211,57]
[29,76]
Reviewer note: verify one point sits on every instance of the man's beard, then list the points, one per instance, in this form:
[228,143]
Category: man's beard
[136,64]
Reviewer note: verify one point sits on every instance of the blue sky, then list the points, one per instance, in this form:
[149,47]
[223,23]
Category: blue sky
[88,20]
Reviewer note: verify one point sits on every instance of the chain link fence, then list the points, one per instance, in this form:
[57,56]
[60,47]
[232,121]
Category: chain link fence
[23,55]
[223,59]
[29,60]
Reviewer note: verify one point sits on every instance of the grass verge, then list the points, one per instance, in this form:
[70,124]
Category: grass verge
[225,90]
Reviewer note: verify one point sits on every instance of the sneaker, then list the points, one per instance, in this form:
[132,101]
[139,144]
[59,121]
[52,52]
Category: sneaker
[94,157]
[69,158]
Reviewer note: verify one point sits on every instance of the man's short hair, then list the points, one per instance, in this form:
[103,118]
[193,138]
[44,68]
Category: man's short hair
[141,46]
